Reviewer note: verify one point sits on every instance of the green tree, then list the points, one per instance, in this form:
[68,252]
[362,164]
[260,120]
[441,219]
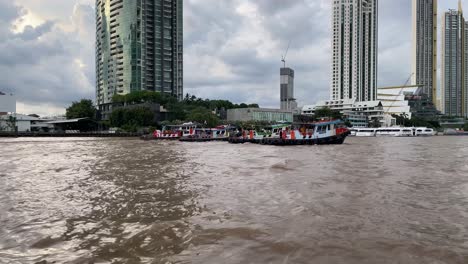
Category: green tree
[203,116]
[177,111]
[131,118]
[81,109]
[327,112]
[433,124]
[116,118]
[140,116]
[139,97]
[465,127]
[375,123]
[403,120]
[11,123]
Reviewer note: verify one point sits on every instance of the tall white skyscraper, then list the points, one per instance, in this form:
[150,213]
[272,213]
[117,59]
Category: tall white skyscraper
[354,44]
[424,66]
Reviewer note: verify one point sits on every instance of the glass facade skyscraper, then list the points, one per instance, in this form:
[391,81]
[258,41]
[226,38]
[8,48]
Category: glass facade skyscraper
[354,49]
[454,64]
[425,47]
[139,46]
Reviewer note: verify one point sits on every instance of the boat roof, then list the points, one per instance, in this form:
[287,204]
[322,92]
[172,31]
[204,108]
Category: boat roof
[182,125]
[328,122]
[279,125]
[68,121]
[323,122]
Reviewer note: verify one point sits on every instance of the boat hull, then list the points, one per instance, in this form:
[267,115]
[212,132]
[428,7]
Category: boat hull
[151,137]
[333,140]
[187,139]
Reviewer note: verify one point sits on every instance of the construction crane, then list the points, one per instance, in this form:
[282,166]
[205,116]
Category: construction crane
[408,81]
[401,90]
[283,58]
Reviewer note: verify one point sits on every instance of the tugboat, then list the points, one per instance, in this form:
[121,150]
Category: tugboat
[172,132]
[318,133]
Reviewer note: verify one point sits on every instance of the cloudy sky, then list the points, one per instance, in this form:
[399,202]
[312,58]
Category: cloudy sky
[233,49]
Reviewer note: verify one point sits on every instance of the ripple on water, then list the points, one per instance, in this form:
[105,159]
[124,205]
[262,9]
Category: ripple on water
[376,200]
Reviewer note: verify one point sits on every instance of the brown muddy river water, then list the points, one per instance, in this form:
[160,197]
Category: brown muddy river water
[371,200]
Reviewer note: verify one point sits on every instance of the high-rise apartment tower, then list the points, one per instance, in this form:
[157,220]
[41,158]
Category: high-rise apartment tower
[424,62]
[454,64]
[139,46]
[354,49]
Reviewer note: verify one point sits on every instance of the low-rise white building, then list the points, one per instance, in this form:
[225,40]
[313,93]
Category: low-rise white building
[359,114]
[22,123]
[390,101]
[393,100]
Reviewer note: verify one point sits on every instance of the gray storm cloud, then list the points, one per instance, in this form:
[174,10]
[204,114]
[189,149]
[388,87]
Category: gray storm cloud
[232,50]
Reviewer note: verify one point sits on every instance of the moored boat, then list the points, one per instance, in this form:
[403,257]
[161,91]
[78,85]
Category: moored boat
[362,132]
[220,133]
[424,132]
[394,132]
[319,133]
[405,132]
[455,132]
[172,132]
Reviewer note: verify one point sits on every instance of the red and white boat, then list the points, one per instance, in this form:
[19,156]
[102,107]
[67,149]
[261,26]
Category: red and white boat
[174,132]
[220,133]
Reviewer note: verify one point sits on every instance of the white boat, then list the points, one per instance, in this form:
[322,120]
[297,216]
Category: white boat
[363,132]
[424,132]
[394,132]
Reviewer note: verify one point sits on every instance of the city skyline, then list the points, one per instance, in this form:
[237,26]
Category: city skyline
[233,53]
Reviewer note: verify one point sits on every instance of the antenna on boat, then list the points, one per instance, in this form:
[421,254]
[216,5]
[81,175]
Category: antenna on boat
[283,58]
